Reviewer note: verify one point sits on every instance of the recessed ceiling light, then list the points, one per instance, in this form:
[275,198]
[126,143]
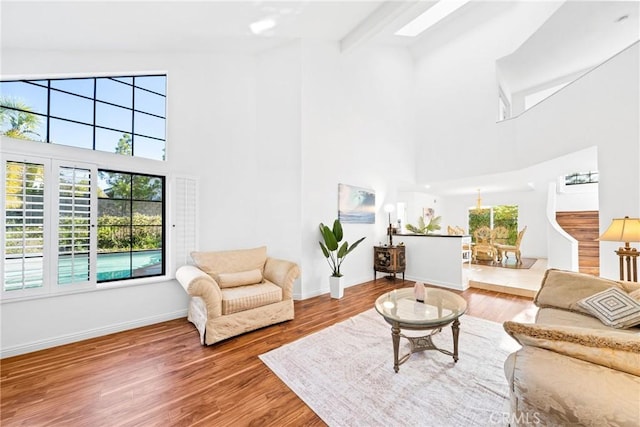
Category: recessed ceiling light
[262,25]
[430,17]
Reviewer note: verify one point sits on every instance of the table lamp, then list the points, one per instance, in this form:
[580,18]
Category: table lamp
[625,230]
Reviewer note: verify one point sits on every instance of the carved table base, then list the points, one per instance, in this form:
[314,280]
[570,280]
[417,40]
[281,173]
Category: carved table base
[418,344]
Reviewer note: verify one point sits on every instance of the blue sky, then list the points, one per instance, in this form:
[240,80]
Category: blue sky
[70,106]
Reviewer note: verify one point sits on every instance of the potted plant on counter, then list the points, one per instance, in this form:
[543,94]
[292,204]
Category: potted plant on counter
[335,254]
[423,228]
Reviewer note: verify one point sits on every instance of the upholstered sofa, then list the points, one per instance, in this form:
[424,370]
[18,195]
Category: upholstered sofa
[573,369]
[233,292]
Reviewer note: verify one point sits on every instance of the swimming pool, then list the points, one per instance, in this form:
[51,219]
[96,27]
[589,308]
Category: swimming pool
[111,266]
[124,265]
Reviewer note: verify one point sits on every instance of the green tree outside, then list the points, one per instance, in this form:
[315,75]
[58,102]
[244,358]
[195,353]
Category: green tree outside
[116,232]
[503,215]
[22,122]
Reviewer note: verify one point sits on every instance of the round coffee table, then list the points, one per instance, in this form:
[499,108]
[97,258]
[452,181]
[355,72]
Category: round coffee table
[439,309]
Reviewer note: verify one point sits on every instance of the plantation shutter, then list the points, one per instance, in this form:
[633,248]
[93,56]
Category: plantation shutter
[74,225]
[185,224]
[24,226]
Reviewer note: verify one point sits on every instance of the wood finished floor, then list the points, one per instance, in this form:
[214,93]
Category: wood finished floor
[160,375]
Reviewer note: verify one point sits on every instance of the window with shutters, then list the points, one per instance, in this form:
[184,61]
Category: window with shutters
[73,226]
[185,236]
[88,209]
[24,226]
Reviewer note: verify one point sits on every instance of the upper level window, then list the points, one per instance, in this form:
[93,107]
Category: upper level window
[118,114]
[576,178]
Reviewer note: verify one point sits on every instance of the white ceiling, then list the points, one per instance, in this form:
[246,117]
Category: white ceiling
[173,25]
[214,25]
[577,37]
[210,25]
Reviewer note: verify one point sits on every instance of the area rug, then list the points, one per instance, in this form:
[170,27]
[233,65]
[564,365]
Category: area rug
[344,373]
[509,263]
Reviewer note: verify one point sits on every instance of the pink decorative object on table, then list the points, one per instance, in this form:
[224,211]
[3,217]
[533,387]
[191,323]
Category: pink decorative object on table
[418,291]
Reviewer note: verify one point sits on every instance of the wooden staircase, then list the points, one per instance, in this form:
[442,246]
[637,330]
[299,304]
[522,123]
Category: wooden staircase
[584,226]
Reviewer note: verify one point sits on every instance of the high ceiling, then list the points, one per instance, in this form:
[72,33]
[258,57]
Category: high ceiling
[577,37]
[212,25]
[184,26]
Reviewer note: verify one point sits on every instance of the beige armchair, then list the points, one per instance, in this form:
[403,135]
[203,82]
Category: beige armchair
[233,292]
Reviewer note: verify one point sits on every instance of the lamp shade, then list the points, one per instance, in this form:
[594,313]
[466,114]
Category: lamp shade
[388,208]
[622,230]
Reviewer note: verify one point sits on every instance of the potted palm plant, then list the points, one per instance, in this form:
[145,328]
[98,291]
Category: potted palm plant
[423,228]
[335,254]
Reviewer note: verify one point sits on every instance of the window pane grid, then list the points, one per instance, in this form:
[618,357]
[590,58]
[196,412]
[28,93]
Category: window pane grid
[130,225]
[65,110]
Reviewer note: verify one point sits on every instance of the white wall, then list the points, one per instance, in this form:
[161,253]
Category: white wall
[269,137]
[583,197]
[457,96]
[356,129]
[274,201]
[602,109]
[456,104]
[418,201]
[562,248]
[248,170]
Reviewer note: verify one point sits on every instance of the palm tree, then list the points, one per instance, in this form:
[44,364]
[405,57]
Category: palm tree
[22,122]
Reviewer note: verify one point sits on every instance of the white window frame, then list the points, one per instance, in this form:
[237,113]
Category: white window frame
[55,216]
[46,251]
[50,154]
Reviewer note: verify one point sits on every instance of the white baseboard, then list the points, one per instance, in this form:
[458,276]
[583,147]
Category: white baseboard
[307,295]
[90,333]
[317,292]
[456,286]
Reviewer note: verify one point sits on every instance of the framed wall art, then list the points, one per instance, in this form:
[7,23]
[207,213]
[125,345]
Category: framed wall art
[356,204]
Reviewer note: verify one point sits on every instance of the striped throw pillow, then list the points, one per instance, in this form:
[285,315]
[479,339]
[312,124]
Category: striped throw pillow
[613,307]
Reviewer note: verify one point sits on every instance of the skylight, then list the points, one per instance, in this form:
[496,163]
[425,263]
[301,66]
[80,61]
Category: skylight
[430,17]
[261,26]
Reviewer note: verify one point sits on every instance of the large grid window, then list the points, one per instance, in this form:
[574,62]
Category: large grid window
[130,225]
[118,114]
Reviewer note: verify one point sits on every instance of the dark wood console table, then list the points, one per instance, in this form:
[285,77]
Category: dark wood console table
[389,259]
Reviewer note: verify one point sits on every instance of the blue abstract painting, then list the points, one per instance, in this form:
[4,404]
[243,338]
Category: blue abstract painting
[356,205]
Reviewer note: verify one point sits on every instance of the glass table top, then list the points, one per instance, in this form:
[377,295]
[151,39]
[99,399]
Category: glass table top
[439,306]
